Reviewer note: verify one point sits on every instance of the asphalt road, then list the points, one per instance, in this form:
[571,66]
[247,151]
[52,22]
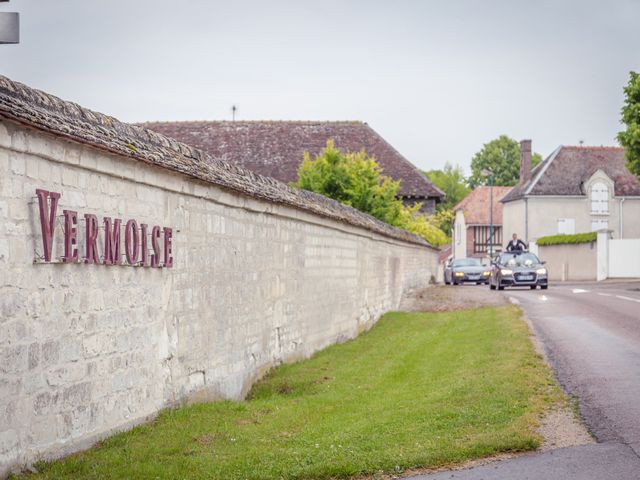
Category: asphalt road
[591,333]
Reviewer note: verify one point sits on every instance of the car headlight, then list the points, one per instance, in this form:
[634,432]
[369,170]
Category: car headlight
[486,274]
[506,271]
[541,271]
[459,274]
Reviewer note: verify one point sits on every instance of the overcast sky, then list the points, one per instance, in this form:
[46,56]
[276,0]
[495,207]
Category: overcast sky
[437,79]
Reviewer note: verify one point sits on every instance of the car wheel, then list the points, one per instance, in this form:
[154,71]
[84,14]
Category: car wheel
[500,287]
[544,287]
[492,286]
[533,287]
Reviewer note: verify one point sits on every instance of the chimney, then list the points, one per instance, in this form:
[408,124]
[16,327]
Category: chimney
[525,161]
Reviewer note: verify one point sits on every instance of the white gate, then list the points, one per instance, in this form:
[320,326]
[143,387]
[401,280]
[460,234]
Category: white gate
[624,258]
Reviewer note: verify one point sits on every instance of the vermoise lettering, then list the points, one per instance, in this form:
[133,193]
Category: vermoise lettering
[135,239]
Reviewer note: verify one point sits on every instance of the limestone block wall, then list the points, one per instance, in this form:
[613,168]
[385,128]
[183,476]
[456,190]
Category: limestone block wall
[88,349]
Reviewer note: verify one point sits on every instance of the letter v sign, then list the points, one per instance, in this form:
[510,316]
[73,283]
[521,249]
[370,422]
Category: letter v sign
[48,224]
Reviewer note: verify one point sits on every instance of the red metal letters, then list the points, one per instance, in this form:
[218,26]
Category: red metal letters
[136,243]
[71,236]
[131,242]
[47,224]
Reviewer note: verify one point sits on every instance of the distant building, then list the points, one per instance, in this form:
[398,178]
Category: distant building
[472,227]
[575,190]
[276,149]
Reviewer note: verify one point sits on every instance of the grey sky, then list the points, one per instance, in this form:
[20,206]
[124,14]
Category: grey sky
[437,79]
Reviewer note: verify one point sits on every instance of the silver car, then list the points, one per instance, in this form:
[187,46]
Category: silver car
[466,270]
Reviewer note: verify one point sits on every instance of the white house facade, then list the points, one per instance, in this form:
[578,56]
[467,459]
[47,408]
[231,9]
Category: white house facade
[575,190]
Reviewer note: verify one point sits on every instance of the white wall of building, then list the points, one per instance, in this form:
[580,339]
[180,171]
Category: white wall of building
[459,236]
[549,215]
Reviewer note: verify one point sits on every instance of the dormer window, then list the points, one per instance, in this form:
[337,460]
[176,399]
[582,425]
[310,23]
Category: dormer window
[599,198]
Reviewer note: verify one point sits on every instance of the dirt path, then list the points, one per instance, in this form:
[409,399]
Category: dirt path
[446,298]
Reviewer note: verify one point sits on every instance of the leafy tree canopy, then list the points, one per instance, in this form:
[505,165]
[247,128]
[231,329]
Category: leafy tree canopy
[630,138]
[452,182]
[356,179]
[502,157]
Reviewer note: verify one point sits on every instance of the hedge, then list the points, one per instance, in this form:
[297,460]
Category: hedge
[567,239]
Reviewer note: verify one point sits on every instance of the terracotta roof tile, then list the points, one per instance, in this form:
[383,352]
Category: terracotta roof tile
[476,205]
[276,148]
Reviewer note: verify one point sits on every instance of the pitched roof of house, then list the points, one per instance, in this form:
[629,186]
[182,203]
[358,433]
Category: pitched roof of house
[276,148]
[565,171]
[475,206]
[70,121]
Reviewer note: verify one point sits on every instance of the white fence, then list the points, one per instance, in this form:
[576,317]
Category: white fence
[612,258]
[624,258]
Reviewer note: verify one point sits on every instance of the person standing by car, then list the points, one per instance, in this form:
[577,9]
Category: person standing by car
[516,245]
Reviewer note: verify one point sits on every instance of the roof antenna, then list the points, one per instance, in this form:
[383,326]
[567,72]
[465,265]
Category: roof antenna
[234,109]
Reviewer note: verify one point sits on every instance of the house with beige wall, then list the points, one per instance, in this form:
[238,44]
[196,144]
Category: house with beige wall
[477,228]
[576,189]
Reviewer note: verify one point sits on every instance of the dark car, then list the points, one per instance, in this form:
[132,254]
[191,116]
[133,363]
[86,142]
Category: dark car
[466,270]
[517,269]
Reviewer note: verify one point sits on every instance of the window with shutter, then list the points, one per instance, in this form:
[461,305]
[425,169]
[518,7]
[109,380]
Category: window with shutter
[599,198]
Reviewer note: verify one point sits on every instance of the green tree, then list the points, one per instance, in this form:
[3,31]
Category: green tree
[356,179]
[630,138]
[452,182]
[502,157]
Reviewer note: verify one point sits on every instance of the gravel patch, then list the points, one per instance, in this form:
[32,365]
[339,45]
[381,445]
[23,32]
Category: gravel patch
[562,428]
[441,298]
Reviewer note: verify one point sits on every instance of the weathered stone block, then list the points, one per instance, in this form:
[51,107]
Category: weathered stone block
[68,374]
[50,352]
[77,395]
[14,359]
[34,355]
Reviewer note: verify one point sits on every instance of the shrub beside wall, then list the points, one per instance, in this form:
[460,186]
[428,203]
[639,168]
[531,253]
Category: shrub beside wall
[567,239]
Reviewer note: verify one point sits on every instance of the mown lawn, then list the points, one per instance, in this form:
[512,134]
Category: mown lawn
[418,390]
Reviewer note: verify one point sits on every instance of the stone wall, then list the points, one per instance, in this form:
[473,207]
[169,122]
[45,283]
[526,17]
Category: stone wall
[89,349]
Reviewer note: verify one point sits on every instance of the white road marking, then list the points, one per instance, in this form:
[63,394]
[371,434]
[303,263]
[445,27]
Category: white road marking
[543,298]
[579,290]
[622,297]
[605,294]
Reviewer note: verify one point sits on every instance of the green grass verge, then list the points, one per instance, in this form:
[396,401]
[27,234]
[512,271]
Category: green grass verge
[564,239]
[418,390]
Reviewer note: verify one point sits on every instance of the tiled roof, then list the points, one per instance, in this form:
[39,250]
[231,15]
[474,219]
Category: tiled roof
[566,170]
[276,148]
[476,205]
[445,252]
[68,120]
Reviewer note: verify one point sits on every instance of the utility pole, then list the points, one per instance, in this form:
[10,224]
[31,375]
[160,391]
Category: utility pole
[491,216]
[488,173]
[9,26]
